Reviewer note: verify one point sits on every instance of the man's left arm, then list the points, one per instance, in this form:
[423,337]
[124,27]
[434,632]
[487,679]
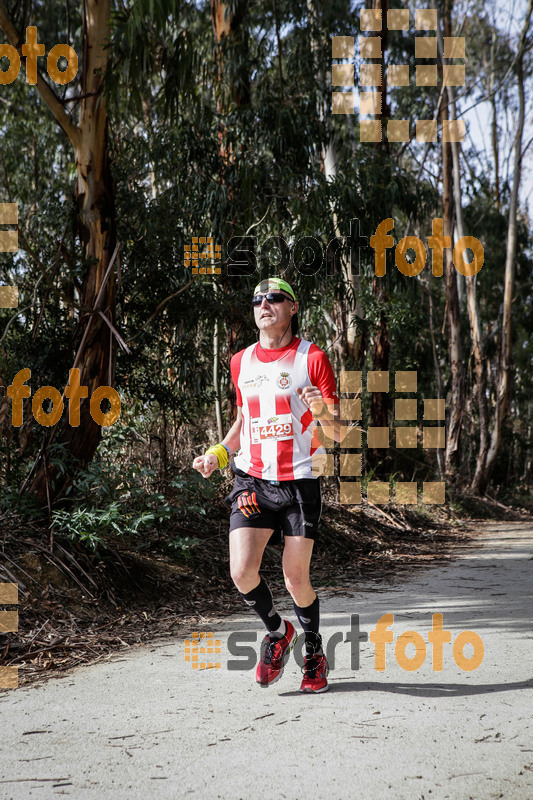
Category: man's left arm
[322,398]
[325,411]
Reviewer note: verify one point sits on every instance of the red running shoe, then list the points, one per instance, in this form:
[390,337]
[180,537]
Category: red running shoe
[274,656]
[315,672]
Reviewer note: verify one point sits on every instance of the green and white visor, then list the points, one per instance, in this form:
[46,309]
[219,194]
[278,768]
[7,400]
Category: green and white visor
[273,285]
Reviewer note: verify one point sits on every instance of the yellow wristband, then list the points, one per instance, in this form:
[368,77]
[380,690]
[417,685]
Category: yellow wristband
[221,453]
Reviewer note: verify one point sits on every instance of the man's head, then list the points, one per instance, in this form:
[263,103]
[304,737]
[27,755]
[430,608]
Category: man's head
[275,314]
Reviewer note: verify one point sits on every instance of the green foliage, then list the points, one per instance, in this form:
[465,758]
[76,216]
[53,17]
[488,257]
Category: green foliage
[119,495]
[94,526]
[109,500]
[181,546]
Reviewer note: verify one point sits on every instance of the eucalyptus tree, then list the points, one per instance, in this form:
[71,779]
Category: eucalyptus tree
[82,115]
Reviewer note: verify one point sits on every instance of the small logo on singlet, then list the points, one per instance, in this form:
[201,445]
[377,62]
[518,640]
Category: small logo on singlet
[254,383]
[284,381]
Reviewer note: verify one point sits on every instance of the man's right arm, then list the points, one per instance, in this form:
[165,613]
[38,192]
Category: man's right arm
[207,464]
[233,438]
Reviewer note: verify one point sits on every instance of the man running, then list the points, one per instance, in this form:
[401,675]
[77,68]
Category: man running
[278,381]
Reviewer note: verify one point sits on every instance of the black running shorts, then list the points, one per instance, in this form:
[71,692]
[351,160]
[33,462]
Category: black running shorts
[291,508]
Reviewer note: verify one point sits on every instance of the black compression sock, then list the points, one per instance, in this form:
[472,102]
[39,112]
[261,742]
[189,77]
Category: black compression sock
[310,620]
[260,599]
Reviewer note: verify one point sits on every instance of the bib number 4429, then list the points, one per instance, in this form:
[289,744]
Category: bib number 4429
[267,430]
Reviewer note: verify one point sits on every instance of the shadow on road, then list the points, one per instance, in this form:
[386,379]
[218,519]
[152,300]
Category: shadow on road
[422,689]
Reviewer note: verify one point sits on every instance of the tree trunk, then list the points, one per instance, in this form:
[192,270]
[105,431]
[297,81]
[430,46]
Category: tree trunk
[227,19]
[379,406]
[453,314]
[348,338]
[495,153]
[473,316]
[379,402]
[435,359]
[494,121]
[504,375]
[384,115]
[94,191]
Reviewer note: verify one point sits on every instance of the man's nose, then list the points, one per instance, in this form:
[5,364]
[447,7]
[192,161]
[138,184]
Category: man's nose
[265,303]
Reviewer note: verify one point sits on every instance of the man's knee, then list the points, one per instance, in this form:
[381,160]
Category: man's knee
[296,580]
[244,577]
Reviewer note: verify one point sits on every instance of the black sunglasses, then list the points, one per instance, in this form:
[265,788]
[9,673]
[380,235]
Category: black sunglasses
[271,297]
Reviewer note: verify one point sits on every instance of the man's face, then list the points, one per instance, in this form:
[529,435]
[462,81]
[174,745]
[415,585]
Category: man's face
[274,316]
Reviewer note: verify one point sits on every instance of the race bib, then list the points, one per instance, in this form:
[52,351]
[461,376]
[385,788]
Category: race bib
[277,428]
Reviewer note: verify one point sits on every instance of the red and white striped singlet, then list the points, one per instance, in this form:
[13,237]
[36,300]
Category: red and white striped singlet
[277,434]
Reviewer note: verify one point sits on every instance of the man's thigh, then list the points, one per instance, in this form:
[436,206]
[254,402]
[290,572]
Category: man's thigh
[251,505]
[246,547]
[301,518]
[297,554]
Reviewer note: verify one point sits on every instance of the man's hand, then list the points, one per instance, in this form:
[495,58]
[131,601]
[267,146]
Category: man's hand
[326,412]
[312,397]
[206,465]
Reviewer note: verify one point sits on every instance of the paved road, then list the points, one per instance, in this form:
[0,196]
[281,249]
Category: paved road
[145,724]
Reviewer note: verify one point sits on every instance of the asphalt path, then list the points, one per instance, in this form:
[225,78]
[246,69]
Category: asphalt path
[145,723]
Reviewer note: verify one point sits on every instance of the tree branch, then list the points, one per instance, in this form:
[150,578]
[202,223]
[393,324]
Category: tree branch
[161,305]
